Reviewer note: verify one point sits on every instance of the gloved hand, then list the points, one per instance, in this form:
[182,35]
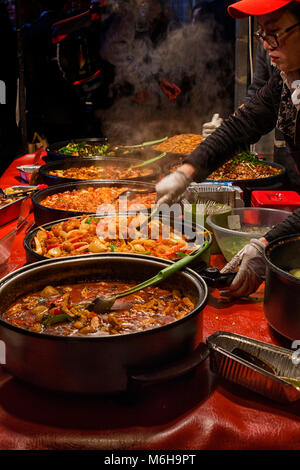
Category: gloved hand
[209,127]
[170,89]
[172,186]
[252,269]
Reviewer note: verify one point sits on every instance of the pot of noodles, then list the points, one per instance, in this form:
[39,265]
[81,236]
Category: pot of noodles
[282,290]
[53,340]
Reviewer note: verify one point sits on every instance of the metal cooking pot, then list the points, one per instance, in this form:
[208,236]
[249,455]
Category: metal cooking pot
[53,153]
[269,183]
[96,364]
[143,153]
[195,234]
[51,180]
[282,290]
[43,215]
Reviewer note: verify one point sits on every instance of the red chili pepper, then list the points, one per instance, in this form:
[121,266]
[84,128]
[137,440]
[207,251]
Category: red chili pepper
[92,314]
[174,250]
[57,311]
[77,245]
[53,245]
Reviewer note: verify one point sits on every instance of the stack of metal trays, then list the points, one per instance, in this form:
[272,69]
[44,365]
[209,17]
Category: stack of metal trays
[266,369]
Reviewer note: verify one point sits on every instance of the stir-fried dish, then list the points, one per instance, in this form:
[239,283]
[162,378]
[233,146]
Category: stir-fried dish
[100,172]
[244,166]
[84,149]
[89,200]
[64,310]
[182,143]
[123,234]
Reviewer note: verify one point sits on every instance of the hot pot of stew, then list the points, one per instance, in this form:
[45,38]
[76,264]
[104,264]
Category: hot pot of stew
[54,341]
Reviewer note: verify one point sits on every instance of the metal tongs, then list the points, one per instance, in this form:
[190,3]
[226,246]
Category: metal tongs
[6,242]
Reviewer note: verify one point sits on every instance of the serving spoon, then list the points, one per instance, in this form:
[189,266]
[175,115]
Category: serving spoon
[144,144]
[104,303]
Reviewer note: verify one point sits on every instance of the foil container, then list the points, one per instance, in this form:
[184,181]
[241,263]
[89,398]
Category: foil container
[264,368]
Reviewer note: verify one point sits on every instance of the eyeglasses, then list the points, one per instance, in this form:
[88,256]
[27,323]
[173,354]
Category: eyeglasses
[273,38]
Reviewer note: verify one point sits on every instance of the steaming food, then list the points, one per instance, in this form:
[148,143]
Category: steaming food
[89,200]
[181,144]
[243,167]
[84,149]
[88,234]
[99,172]
[62,310]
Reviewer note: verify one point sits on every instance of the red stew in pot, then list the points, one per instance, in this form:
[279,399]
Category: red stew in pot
[63,310]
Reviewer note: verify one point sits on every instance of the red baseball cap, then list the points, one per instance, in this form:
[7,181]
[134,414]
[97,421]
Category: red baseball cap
[245,8]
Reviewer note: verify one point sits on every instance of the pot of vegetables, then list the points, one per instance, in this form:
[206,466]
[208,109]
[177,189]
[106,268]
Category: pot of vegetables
[282,290]
[163,237]
[55,341]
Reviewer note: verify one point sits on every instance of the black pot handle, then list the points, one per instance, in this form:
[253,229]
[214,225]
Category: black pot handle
[170,371]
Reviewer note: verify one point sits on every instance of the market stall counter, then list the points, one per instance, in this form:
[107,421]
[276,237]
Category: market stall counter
[198,411]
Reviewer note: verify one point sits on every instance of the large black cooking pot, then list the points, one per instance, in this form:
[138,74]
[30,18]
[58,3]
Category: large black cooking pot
[43,215]
[97,364]
[282,290]
[53,153]
[143,153]
[195,234]
[267,184]
[51,180]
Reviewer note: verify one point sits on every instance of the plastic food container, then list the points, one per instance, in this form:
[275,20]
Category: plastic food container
[254,223]
[26,171]
[284,200]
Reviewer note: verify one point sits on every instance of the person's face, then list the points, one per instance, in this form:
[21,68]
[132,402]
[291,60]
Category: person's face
[287,55]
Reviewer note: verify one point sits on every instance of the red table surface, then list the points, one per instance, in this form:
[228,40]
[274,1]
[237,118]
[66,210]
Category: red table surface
[197,412]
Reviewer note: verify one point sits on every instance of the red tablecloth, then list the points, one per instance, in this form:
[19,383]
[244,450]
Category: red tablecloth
[197,412]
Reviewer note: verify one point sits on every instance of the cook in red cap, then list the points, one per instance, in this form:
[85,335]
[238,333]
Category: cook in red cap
[276,104]
[246,8]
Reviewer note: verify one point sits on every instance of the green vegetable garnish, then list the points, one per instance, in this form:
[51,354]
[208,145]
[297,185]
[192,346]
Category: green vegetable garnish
[50,320]
[113,247]
[89,220]
[181,254]
[249,158]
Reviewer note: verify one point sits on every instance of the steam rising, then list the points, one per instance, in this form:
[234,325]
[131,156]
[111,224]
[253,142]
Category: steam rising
[200,65]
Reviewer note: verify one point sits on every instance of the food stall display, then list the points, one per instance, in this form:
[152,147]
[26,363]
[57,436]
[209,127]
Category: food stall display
[55,342]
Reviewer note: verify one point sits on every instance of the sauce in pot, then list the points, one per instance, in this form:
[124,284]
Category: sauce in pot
[63,310]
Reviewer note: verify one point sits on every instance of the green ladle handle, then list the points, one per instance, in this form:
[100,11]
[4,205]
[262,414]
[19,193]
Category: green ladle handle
[166,272]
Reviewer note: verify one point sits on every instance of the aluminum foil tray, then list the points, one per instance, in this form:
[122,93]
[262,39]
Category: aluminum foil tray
[224,193]
[261,367]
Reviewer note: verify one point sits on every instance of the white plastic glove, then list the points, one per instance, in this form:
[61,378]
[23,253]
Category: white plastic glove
[252,269]
[209,127]
[172,186]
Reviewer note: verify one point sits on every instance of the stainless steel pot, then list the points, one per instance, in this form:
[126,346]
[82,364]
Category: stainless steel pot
[282,290]
[95,364]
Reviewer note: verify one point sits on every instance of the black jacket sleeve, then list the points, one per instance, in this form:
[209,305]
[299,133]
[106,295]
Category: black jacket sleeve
[263,71]
[245,127]
[290,226]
